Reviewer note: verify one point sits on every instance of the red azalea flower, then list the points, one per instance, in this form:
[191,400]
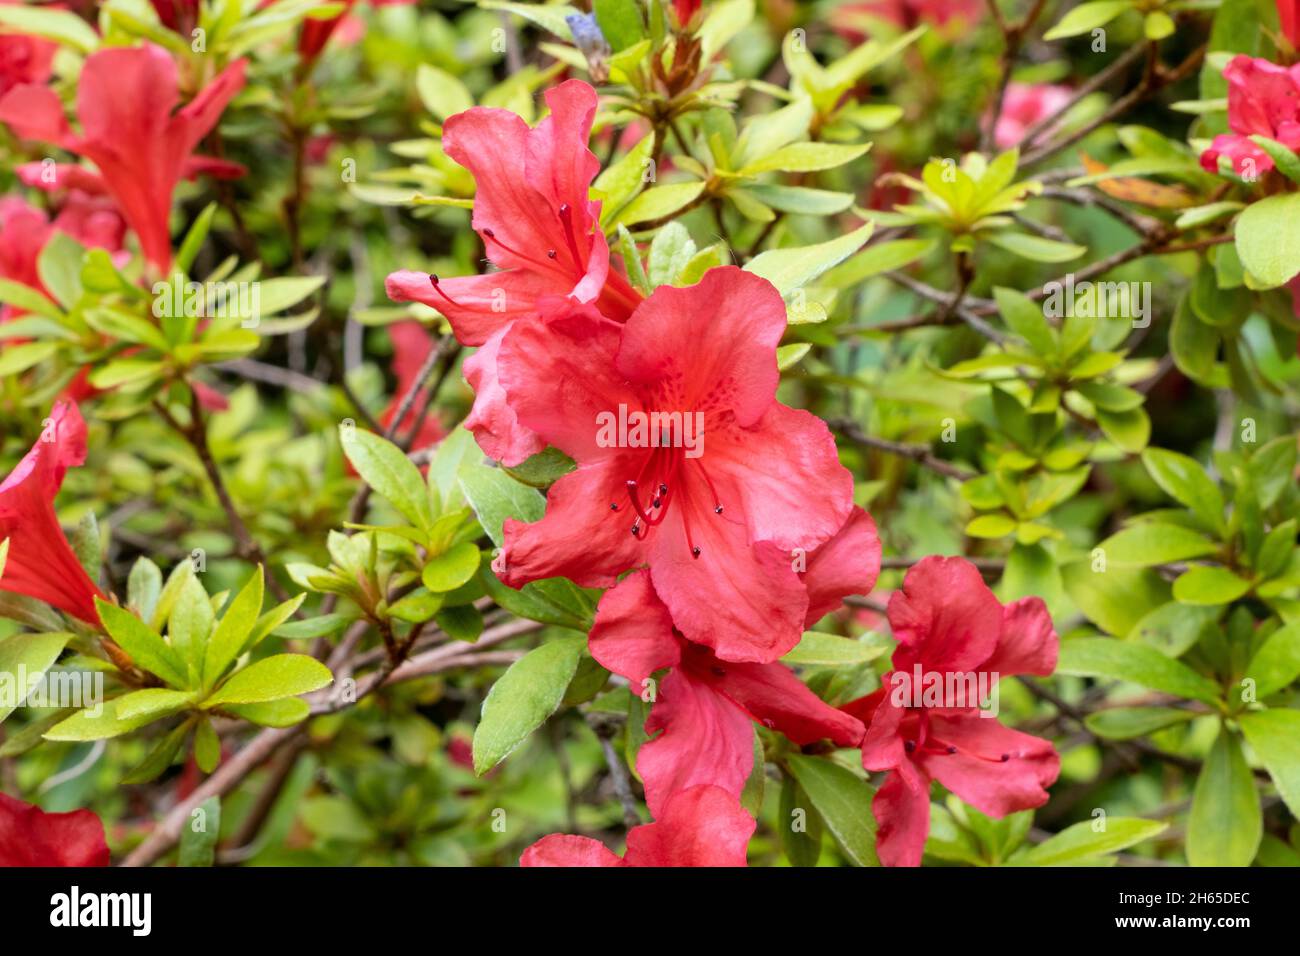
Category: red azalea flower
[1288,17]
[24,231]
[41,563]
[948,623]
[178,15]
[532,211]
[1023,105]
[854,20]
[131,130]
[411,347]
[1263,99]
[31,837]
[685,10]
[702,826]
[24,58]
[723,526]
[705,706]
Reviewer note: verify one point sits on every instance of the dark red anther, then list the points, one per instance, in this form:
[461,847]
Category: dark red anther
[695,552]
[909,745]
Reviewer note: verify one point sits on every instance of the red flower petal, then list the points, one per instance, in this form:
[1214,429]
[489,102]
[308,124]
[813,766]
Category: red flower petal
[31,837]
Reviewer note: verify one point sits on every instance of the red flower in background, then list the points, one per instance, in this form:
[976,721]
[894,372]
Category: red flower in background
[537,224]
[178,15]
[721,528]
[685,10]
[1025,104]
[948,622]
[1263,99]
[31,837]
[24,58]
[411,347]
[24,231]
[702,826]
[140,143]
[1288,17]
[855,21]
[705,705]
[41,563]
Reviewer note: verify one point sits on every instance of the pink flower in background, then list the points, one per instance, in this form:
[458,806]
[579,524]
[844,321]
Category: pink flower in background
[24,231]
[411,347]
[854,20]
[41,563]
[1288,17]
[723,528]
[948,623]
[23,58]
[1025,104]
[684,10]
[702,826]
[705,706]
[1263,100]
[531,209]
[140,143]
[31,837]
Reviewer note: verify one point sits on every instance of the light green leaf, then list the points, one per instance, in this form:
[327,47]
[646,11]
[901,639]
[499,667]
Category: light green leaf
[1206,585]
[831,650]
[844,802]
[523,698]
[1274,735]
[284,675]
[1086,17]
[448,571]
[1081,842]
[1275,665]
[1135,664]
[495,496]
[143,644]
[231,633]
[1143,545]
[790,269]
[384,467]
[1225,824]
[1267,240]
[34,654]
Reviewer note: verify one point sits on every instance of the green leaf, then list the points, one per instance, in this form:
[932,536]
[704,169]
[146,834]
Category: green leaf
[1274,735]
[657,202]
[620,22]
[25,297]
[1115,599]
[790,269]
[34,654]
[555,601]
[1025,317]
[284,675]
[450,570]
[143,587]
[1208,586]
[207,746]
[1036,248]
[1125,723]
[1143,545]
[1086,17]
[19,358]
[461,623]
[805,157]
[670,251]
[844,802]
[1134,664]
[495,496]
[273,713]
[523,698]
[142,644]
[1267,240]
[61,26]
[152,702]
[1284,158]
[802,843]
[160,757]
[59,267]
[1183,479]
[231,633]
[442,94]
[830,650]
[1275,665]
[1225,824]
[550,17]
[86,725]
[878,258]
[385,467]
[1081,842]
[198,845]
